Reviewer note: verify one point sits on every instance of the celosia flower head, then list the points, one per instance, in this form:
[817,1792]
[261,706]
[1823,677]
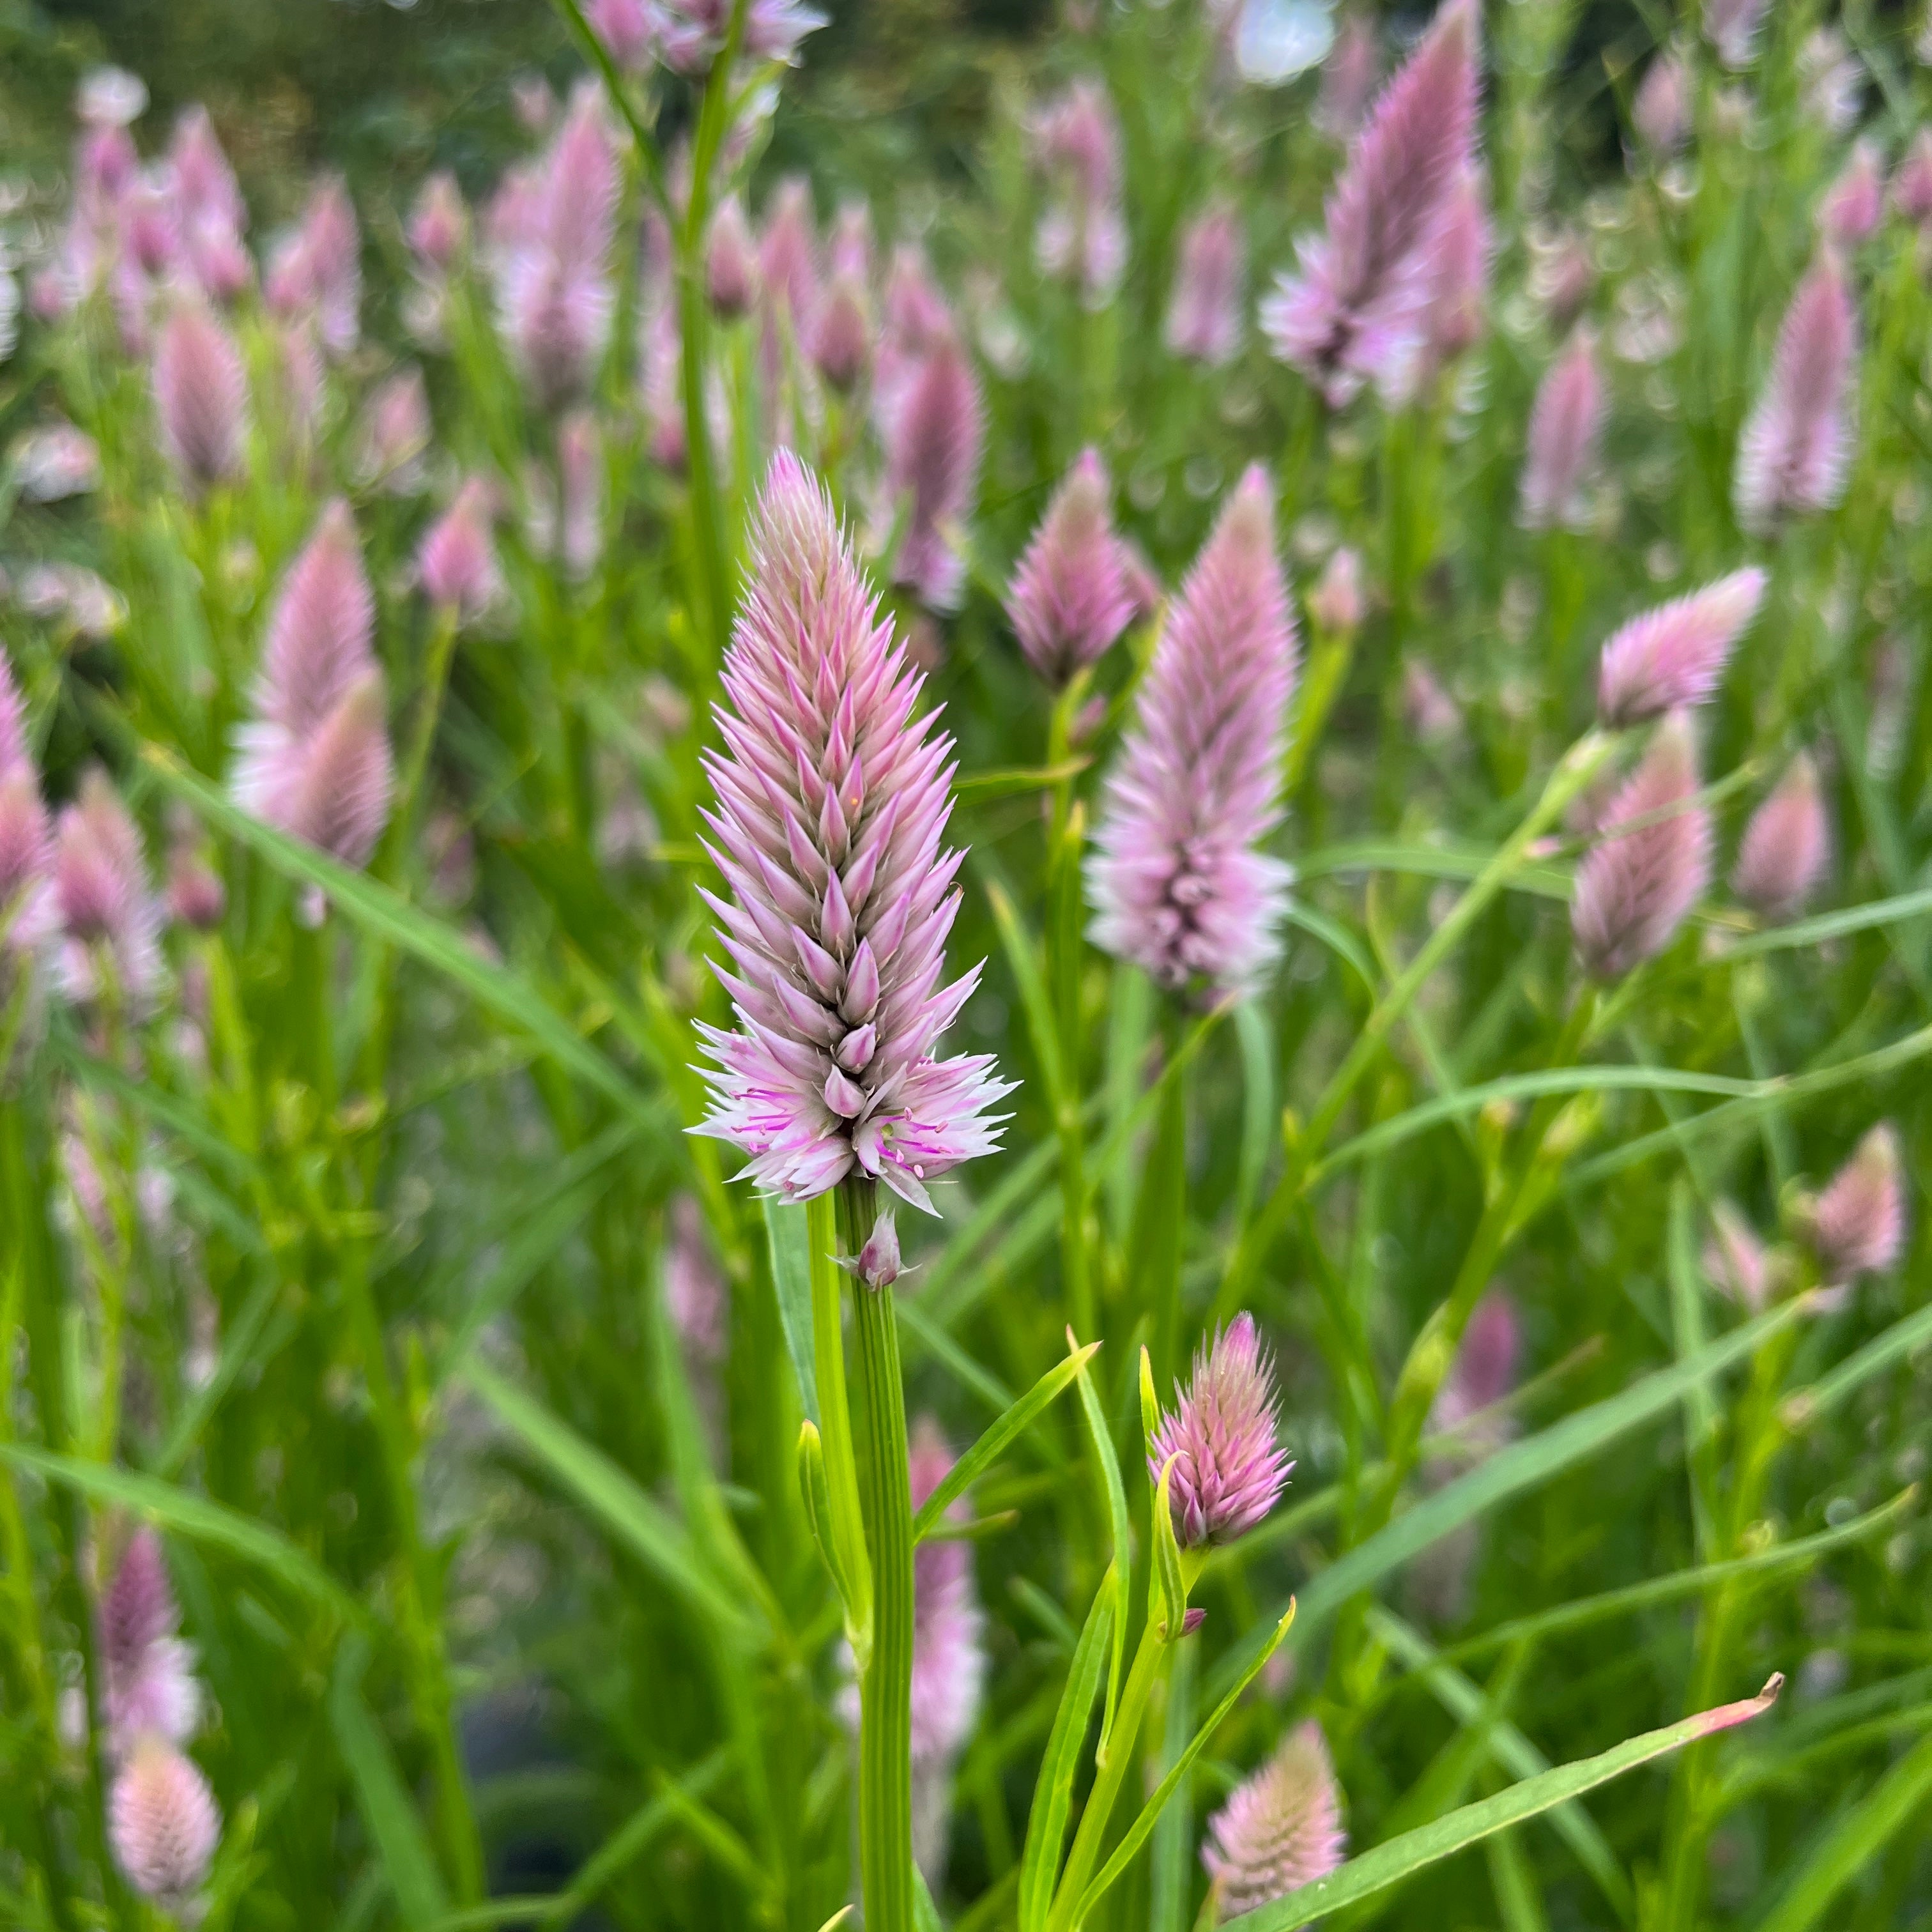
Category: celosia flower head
[106,905]
[1337,604]
[832,801]
[1674,656]
[29,912]
[316,272]
[1857,1224]
[1636,886]
[457,561]
[138,1607]
[1854,202]
[788,252]
[1177,881]
[1280,1830]
[949,1658]
[162,1823]
[315,759]
[1204,314]
[1731,27]
[731,260]
[1228,1466]
[1661,111]
[626,30]
[201,398]
[696,1297]
[1911,185]
[1786,846]
[395,431]
[1452,317]
[1566,431]
[1083,234]
[933,437]
[1484,1370]
[692,32]
[1072,594]
[149,1686]
[1795,452]
[841,333]
[1353,311]
[1735,1261]
[210,214]
[848,251]
[439,224]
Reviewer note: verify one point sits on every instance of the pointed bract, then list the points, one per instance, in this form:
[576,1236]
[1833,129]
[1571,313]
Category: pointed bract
[1280,1829]
[832,801]
[1177,880]
[1072,594]
[1674,656]
[1786,846]
[1228,1466]
[1566,431]
[1857,1224]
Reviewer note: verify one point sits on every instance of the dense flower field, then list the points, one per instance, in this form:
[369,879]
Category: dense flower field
[1042,1056]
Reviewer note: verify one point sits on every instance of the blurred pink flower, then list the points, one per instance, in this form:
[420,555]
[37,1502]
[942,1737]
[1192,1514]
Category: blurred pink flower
[1854,203]
[731,261]
[107,907]
[1787,845]
[1082,237]
[832,800]
[914,320]
[162,1822]
[1795,452]
[1831,79]
[692,31]
[949,1657]
[1674,655]
[439,224]
[149,1685]
[1229,1466]
[1452,319]
[626,29]
[841,343]
[196,897]
[1660,113]
[1206,313]
[1735,1261]
[849,250]
[1349,77]
[55,462]
[1336,604]
[696,1297]
[933,437]
[1635,887]
[316,272]
[1355,311]
[1857,1224]
[201,398]
[1178,884]
[1071,595]
[211,214]
[1566,431]
[110,97]
[394,432]
[29,912]
[457,560]
[661,382]
[1911,185]
[1280,1830]
[579,476]
[1731,27]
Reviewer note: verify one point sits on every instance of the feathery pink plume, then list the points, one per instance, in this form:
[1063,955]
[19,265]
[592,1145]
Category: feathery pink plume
[692,32]
[106,903]
[1280,1830]
[210,214]
[201,398]
[933,437]
[1735,1261]
[1635,887]
[395,431]
[841,333]
[1674,656]
[1786,846]
[196,897]
[832,801]
[1353,311]
[138,1607]
[1566,432]
[788,268]
[1228,1466]
[1205,314]
[1072,593]
[1177,884]
[316,272]
[1082,236]
[1484,1370]
[438,225]
[1911,185]
[1854,203]
[731,261]
[914,320]
[949,1657]
[625,29]
[1660,113]
[1857,1224]
[149,1684]
[162,1823]
[1452,318]
[457,561]
[1337,603]
[1795,452]
[29,914]
[848,250]
[1731,27]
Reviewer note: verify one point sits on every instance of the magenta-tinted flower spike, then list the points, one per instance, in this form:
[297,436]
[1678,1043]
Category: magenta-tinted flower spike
[29,912]
[1452,319]
[833,802]
[1795,452]
[1854,203]
[201,398]
[1857,1224]
[692,32]
[314,761]
[841,333]
[848,250]
[1735,1261]
[1338,603]
[457,562]
[211,215]
[106,905]
[149,1684]
[933,437]
[1280,1830]
[1911,185]
[626,30]
[1205,314]
[1072,592]
[163,1824]
[1660,113]
[1674,656]
[438,225]
[731,261]
[316,272]
[1082,237]
[1636,887]
[1176,880]
[551,266]
[1229,1467]
[788,268]
[949,1658]
[1787,845]
[1731,27]
[580,478]
[1354,312]
[394,432]
[1566,434]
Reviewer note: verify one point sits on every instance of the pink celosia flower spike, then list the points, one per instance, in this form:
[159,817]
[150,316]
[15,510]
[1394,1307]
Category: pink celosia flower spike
[1857,1226]
[457,562]
[1205,315]
[1795,452]
[1072,594]
[1786,846]
[315,761]
[1338,604]
[1911,185]
[1452,319]
[29,914]
[163,1823]
[1735,1261]
[832,801]
[1082,237]
[1353,313]
[626,30]
[1229,1467]
[439,226]
[1731,27]
[1674,655]
[933,440]
[1177,881]
[731,261]
[1566,431]
[148,1673]
[841,333]
[1661,111]
[949,1660]
[317,272]
[1280,1830]
[106,903]
[692,32]
[1635,887]
[1854,203]
[210,213]
[201,398]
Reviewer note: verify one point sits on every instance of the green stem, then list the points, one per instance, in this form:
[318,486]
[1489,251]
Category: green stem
[885,1689]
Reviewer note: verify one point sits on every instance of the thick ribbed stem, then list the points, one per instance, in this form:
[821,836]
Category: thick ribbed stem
[885,1691]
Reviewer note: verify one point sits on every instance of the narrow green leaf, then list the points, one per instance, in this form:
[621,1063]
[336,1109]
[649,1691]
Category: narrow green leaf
[387,1809]
[1053,1795]
[1114,1499]
[1831,925]
[1023,961]
[651,1533]
[789,1238]
[238,1345]
[1910,1332]
[1389,1864]
[992,1445]
[189,1515]
[1258,1108]
[1003,783]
